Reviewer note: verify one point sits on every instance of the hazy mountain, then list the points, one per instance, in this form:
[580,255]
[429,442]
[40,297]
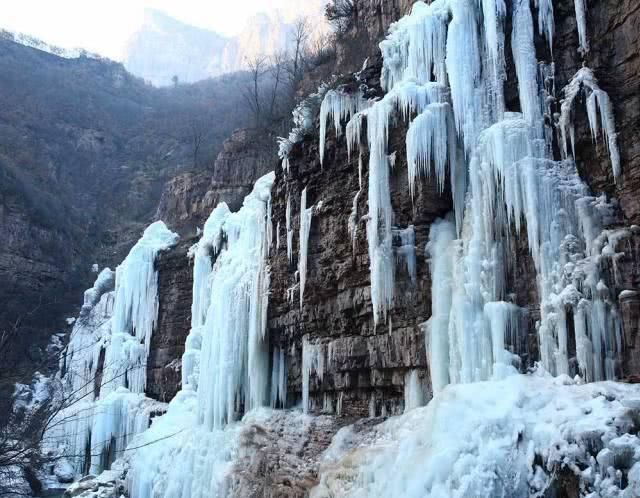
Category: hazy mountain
[164,47]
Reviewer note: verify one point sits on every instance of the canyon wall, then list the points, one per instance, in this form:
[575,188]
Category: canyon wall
[367,366]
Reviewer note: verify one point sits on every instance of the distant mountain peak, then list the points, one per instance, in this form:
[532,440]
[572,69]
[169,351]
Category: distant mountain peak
[165,47]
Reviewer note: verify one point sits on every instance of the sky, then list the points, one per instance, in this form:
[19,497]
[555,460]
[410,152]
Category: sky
[103,26]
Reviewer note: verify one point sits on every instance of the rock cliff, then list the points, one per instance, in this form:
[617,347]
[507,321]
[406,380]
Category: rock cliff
[367,366]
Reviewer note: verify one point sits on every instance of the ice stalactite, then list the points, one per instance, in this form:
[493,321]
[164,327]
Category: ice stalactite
[279,378]
[581,20]
[442,257]
[234,362]
[546,20]
[597,100]
[413,395]
[341,106]
[406,250]
[524,56]
[204,253]
[352,222]
[313,361]
[415,46]
[306,214]
[190,450]
[303,116]
[289,228]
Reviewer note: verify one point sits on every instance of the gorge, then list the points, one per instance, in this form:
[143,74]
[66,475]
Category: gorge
[433,291]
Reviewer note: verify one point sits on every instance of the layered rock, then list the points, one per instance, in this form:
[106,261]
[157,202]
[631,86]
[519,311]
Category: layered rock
[189,198]
[175,283]
[365,365]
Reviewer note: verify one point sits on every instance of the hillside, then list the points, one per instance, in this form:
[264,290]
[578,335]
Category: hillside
[85,151]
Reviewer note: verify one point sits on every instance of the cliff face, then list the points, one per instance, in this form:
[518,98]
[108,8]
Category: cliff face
[368,366]
[185,205]
[189,198]
[615,59]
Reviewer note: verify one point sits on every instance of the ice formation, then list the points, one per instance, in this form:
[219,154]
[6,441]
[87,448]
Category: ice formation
[313,361]
[596,100]
[104,368]
[581,20]
[443,69]
[306,214]
[506,434]
[289,228]
[226,364]
[507,438]
[234,355]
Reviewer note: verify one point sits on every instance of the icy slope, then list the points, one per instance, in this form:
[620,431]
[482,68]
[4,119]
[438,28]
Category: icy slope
[507,438]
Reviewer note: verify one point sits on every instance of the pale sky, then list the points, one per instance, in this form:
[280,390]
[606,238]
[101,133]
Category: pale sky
[103,26]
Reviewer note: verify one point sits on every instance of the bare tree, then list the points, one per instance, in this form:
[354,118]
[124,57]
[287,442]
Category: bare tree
[277,75]
[301,34]
[257,67]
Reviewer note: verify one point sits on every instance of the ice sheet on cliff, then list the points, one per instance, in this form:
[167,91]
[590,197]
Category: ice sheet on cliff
[103,372]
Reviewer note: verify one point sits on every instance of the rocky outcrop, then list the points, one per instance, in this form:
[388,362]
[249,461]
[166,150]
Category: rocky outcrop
[189,198]
[175,284]
[280,456]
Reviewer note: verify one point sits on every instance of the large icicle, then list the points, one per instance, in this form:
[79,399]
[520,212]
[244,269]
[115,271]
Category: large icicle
[306,214]
[104,369]
[234,365]
[289,228]
[581,21]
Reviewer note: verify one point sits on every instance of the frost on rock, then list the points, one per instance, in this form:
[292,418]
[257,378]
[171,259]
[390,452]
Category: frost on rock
[597,100]
[504,438]
[303,117]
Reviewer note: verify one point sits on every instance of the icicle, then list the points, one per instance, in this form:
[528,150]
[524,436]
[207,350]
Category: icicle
[524,56]
[596,99]
[406,251]
[431,142]
[440,249]
[415,46]
[305,227]
[581,21]
[352,222]
[413,396]
[313,360]
[289,230]
[278,379]
[380,220]
[546,21]
[341,107]
[135,310]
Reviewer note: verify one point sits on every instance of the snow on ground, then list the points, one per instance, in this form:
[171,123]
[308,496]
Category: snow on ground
[499,438]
